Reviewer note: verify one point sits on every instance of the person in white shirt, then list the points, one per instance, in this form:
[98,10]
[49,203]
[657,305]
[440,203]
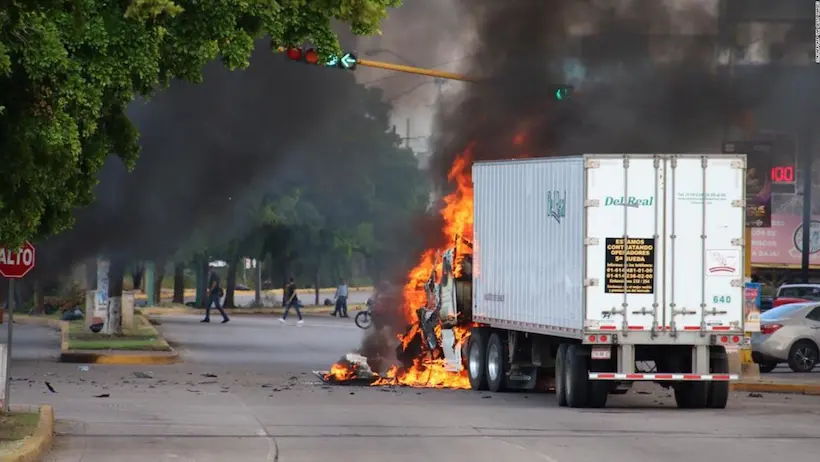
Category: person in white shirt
[341,300]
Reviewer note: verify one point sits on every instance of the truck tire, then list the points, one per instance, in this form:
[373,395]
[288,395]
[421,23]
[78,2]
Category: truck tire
[476,359]
[497,363]
[576,373]
[718,394]
[597,393]
[560,380]
[691,395]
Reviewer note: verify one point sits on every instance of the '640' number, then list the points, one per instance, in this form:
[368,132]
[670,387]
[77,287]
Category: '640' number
[721,299]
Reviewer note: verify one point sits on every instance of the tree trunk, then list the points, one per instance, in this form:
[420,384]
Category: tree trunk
[285,277]
[179,283]
[204,268]
[230,284]
[39,297]
[116,273]
[316,287]
[136,275]
[159,275]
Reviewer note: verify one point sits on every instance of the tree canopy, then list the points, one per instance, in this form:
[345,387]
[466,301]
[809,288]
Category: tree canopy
[69,69]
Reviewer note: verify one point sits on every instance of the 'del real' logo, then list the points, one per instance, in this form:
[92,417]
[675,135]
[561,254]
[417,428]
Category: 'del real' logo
[557,205]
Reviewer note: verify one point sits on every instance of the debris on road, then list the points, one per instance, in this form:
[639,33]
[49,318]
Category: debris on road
[352,369]
[50,388]
[143,375]
[210,375]
[104,395]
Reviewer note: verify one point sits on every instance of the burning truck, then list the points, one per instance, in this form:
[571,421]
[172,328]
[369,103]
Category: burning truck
[585,273]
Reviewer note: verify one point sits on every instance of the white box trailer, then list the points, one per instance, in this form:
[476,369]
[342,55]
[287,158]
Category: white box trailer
[608,269]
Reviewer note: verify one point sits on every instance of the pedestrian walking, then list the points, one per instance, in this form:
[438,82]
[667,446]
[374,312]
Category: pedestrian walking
[214,297]
[292,301]
[341,300]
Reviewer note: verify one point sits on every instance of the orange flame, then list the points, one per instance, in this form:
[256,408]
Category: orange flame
[341,372]
[457,214]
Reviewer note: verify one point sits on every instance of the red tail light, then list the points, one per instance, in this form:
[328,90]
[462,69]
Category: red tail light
[767,329]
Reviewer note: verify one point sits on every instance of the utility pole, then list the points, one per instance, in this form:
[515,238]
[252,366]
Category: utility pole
[5,362]
[407,133]
[805,147]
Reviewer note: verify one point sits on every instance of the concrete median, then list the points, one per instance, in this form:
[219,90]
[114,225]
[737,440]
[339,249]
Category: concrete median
[114,357]
[35,447]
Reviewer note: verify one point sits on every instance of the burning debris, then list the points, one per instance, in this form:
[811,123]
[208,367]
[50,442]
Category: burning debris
[429,351]
[351,368]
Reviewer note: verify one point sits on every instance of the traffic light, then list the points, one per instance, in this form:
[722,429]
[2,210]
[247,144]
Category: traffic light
[561,92]
[347,61]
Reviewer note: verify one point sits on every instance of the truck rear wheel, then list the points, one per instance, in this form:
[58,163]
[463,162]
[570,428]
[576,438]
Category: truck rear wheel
[497,363]
[597,393]
[718,395]
[691,395]
[576,373]
[560,380]
[476,359]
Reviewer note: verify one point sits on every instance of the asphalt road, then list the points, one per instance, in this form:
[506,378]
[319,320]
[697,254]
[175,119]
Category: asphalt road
[246,393]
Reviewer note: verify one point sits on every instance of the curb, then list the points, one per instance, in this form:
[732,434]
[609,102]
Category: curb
[29,320]
[68,355]
[36,446]
[770,387]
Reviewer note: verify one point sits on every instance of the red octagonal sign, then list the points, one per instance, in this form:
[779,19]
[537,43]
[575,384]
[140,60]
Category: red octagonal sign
[15,265]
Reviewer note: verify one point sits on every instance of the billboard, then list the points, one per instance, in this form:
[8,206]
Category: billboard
[782,244]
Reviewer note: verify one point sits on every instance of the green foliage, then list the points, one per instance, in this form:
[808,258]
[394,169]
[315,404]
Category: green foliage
[69,69]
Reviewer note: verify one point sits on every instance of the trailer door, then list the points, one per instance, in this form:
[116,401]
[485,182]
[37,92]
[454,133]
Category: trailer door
[705,228]
[624,244]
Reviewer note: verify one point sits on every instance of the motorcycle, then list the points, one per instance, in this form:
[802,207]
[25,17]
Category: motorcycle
[364,319]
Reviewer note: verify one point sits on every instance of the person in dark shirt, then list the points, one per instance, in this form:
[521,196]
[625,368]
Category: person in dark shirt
[214,295]
[292,300]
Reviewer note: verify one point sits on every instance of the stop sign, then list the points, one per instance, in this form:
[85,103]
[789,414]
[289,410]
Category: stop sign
[16,264]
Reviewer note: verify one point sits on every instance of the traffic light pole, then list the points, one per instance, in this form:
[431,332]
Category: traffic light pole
[414,70]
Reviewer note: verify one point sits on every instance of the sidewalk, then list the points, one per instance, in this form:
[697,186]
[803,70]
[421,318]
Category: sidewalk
[786,382]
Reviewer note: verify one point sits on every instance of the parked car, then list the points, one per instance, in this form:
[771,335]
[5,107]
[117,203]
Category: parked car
[796,293]
[788,334]
[240,286]
[766,303]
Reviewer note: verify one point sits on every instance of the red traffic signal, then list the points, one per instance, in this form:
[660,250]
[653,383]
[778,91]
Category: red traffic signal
[294,54]
[312,56]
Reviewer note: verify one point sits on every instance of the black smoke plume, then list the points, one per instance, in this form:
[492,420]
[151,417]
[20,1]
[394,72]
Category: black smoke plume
[203,147]
[644,80]
[623,102]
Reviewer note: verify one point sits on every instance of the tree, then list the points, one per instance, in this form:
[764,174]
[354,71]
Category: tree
[68,70]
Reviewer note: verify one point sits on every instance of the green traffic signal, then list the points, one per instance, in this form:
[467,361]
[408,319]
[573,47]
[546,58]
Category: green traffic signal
[562,93]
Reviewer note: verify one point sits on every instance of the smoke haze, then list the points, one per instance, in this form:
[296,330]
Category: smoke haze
[203,147]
